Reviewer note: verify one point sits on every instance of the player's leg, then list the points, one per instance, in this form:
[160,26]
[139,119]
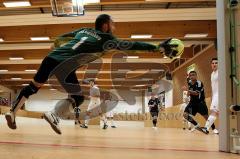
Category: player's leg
[76,100]
[102,113]
[154,119]
[77,94]
[104,120]
[87,117]
[203,110]
[110,117]
[211,119]
[188,114]
[213,116]
[48,64]
[184,121]
[61,110]
[113,125]
[86,120]
[190,111]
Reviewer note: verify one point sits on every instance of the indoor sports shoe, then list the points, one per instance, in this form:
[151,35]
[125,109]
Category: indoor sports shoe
[204,130]
[77,122]
[105,126]
[53,120]
[113,126]
[83,126]
[10,117]
[215,131]
[192,129]
[197,127]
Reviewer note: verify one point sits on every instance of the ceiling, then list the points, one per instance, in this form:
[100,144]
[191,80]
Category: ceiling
[160,18]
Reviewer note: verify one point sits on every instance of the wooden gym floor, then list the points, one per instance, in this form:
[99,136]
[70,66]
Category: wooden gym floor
[34,139]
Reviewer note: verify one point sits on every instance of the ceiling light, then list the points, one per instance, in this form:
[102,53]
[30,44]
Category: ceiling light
[201,35]
[130,57]
[52,89]
[143,36]
[25,84]
[157,70]
[140,85]
[91,1]
[47,84]
[16,58]
[39,38]
[123,70]
[3,70]
[16,78]
[1,40]
[146,79]
[31,70]
[17,4]
[134,90]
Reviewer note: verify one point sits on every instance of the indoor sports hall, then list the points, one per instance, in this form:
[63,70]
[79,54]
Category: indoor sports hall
[119,79]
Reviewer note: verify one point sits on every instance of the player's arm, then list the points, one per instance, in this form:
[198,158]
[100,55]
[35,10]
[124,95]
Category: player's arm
[134,45]
[164,47]
[159,104]
[198,91]
[194,93]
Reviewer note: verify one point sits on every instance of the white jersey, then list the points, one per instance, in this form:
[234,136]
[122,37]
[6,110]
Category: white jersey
[186,100]
[94,91]
[214,84]
[94,97]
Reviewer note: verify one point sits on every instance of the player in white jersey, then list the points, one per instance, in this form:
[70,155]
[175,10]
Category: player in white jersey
[214,108]
[110,106]
[94,106]
[186,100]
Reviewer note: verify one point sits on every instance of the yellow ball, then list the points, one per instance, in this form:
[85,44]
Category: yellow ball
[179,46]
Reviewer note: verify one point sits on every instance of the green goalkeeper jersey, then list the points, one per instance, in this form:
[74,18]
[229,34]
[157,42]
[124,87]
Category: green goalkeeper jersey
[88,40]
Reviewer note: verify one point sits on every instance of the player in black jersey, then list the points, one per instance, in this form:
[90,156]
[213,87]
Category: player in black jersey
[153,105]
[197,102]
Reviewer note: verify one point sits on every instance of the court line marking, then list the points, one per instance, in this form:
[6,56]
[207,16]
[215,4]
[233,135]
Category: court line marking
[101,147]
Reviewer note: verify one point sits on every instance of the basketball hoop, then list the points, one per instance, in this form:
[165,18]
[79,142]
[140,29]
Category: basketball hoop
[67,8]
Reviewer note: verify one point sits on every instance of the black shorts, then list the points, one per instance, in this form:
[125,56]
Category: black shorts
[194,108]
[65,72]
[45,72]
[47,66]
[154,114]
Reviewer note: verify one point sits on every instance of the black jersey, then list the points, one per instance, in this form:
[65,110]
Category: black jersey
[155,102]
[198,87]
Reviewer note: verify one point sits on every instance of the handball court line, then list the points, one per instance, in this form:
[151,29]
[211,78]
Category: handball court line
[100,147]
